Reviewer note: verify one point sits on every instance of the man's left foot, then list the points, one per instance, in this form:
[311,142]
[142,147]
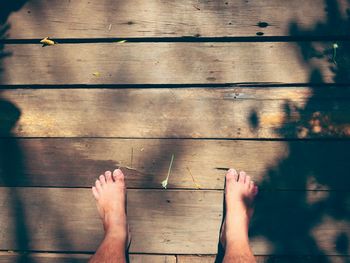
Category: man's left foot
[110,194]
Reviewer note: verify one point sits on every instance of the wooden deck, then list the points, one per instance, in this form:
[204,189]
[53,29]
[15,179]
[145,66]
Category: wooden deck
[255,85]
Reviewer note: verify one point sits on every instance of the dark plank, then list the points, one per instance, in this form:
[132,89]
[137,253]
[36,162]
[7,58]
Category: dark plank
[170,222]
[77,162]
[10,257]
[268,259]
[289,112]
[150,63]
[138,18]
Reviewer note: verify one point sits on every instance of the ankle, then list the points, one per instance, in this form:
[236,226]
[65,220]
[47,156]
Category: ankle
[236,241]
[115,230]
[114,225]
[238,220]
[236,228]
[112,219]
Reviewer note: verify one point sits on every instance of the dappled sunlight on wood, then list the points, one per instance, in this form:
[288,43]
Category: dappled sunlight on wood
[162,63]
[263,245]
[177,113]
[326,239]
[138,18]
[275,107]
[80,161]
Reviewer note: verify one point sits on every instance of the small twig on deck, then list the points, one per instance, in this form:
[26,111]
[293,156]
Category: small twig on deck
[134,169]
[165,182]
[194,181]
[132,156]
[130,168]
[335,46]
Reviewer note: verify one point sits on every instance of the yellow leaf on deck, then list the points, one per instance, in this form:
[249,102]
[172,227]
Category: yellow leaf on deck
[47,42]
[121,41]
[96,74]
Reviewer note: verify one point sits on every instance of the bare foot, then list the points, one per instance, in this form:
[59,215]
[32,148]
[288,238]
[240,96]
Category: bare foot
[240,192]
[110,194]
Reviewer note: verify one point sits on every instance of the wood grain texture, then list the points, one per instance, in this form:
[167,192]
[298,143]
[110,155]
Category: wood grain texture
[138,18]
[77,162]
[162,63]
[9,257]
[170,222]
[267,259]
[178,113]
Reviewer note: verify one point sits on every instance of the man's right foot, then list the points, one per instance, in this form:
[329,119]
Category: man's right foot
[240,192]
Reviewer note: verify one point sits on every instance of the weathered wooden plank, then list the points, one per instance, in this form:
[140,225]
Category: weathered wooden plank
[76,163]
[9,257]
[150,63]
[268,259]
[138,18]
[169,222]
[152,258]
[179,113]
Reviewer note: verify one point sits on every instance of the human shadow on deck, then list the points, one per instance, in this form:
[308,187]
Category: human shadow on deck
[288,219]
[13,167]
[9,115]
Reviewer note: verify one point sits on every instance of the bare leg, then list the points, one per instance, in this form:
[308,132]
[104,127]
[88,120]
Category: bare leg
[240,192]
[110,194]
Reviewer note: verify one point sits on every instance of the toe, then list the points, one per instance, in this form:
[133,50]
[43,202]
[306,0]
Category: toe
[242,176]
[102,179]
[232,174]
[98,186]
[95,193]
[248,180]
[118,175]
[115,172]
[108,176]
